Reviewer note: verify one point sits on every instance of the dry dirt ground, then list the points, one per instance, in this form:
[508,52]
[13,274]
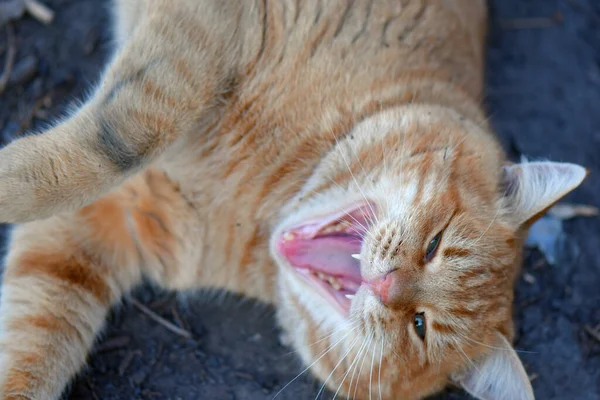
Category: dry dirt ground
[544,99]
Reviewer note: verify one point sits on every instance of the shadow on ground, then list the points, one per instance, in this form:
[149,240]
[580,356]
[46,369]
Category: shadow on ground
[544,100]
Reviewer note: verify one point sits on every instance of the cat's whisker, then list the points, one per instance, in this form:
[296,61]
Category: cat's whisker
[462,357]
[371,336]
[381,362]
[385,170]
[488,227]
[335,183]
[350,368]
[314,362]
[465,354]
[341,208]
[491,222]
[352,174]
[495,347]
[371,373]
[353,325]
[336,367]
[360,362]
[373,217]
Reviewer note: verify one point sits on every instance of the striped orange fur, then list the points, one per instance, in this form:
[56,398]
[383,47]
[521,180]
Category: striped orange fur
[219,126]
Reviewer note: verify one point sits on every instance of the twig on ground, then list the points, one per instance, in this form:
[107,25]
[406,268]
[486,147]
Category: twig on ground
[158,355]
[39,11]
[157,318]
[10,57]
[113,344]
[127,361]
[592,332]
[531,23]
[568,211]
[178,318]
[90,386]
[151,394]
[533,377]
[27,119]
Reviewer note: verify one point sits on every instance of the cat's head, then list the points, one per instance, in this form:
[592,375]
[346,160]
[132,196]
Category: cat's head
[398,257]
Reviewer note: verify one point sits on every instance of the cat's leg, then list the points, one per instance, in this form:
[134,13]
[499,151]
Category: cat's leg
[63,274]
[167,78]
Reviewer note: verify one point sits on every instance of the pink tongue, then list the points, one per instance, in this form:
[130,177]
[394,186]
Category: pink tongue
[330,255]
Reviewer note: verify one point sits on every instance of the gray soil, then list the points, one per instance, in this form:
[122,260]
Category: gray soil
[543,96]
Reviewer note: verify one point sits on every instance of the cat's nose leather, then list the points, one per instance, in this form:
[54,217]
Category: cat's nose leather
[395,288]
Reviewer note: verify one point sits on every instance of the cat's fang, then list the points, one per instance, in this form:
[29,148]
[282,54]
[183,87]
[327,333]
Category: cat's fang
[355,256]
[349,296]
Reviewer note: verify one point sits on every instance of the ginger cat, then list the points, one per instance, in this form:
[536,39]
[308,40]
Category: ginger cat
[331,157]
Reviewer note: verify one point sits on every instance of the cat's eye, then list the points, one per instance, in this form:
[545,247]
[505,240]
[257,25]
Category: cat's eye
[432,246]
[420,327]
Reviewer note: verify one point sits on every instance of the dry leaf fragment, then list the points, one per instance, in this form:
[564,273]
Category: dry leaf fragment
[567,211]
[39,11]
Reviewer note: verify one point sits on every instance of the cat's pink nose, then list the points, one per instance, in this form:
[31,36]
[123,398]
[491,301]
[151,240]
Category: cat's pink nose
[394,288]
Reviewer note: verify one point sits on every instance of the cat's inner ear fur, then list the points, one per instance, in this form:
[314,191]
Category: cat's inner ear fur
[498,375]
[531,188]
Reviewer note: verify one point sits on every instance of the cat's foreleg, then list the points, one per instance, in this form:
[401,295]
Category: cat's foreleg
[161,85]
[63,274]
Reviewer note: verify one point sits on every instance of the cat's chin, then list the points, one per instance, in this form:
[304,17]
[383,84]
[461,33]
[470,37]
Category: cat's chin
[324,252]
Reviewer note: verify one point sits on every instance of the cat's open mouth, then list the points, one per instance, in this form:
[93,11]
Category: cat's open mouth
[324,251]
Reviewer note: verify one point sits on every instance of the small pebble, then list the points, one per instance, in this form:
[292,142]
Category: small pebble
[529,278]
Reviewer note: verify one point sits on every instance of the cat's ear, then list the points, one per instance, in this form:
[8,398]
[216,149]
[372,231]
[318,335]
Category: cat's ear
[499,375]
[531,188]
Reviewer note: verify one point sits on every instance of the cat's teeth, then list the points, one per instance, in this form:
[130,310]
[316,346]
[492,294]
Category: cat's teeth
[349,296]
[338,227]
[334,283]
[355,256]
[288,236]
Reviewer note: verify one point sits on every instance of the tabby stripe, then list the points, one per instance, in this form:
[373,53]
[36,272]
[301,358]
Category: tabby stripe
[19,381]
[120,152]
[416,20]
[456,252]
[462,312]
[344,18]
[365,23]
[158,95]
[73,272]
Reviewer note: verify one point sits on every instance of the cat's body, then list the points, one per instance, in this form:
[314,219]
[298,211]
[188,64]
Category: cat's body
[245,120]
